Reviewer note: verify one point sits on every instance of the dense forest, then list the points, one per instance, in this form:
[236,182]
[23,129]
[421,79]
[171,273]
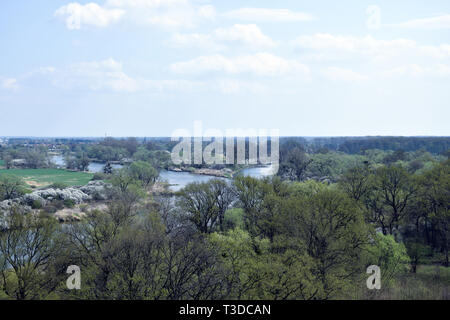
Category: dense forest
[335,207]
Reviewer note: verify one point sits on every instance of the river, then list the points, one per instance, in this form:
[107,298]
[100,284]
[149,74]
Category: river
[93,166]
[177,180]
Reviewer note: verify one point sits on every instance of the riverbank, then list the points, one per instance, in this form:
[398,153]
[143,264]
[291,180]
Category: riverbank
[259,170]
[93,167]
[221,173]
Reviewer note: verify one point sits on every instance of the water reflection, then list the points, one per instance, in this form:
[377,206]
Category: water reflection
[179,180]
[93,166]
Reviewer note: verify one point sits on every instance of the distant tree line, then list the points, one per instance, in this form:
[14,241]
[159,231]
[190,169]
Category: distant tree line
[355,145]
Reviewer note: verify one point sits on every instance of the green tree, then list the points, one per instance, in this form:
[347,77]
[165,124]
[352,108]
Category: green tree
[108,169]
[36,158]
[242,259]
[123,179]
[83,162]
[434,191]
[356,182]
[200,204]
[389,255]
[261,200]
[416,251]
[332,228]
[11,187]
[294,165]
[224,196]
[142,154]
[7,158]
[144,172]
[393,191]
[30,249]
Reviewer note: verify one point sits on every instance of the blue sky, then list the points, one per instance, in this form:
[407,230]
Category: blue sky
[149,67]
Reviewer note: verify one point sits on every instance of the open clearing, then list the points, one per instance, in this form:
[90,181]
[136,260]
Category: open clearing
[44,177]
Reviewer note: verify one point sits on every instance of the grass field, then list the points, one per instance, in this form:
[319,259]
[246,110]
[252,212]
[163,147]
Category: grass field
[44,177]
[2,163]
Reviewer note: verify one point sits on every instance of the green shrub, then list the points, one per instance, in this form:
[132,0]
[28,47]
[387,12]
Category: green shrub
[50,208]
[11,187]
[390,256]
[69,203]
[37,204]
[100,176]
[234,218]
[58,185]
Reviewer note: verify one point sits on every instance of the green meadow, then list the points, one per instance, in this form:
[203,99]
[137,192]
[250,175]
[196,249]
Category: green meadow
[44,177]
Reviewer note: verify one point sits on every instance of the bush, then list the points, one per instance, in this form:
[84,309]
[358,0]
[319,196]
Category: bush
[37,204]
[58,185]
[234,219]
[58,205]
[50,208]
[100,176]
[11,187]
[390,256]
[69,203]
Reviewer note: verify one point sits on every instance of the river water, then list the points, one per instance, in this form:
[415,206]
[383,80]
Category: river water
[177,180]
[93,166]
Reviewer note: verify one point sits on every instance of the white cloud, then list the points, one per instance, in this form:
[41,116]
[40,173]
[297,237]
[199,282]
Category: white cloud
[77,15]
[45,70]
[162,13]
[438,52]
[337,47]
[260,64]
[439,22]
[175,15]
[243,34]
[98,75]
[396,57]
[268,15]
[414,70]
[108,76]
[207,12]
[340,74]
[144,3]
[367,45]
[194,40]
[10,84]
[248,34]
[178,85]
[234,86]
